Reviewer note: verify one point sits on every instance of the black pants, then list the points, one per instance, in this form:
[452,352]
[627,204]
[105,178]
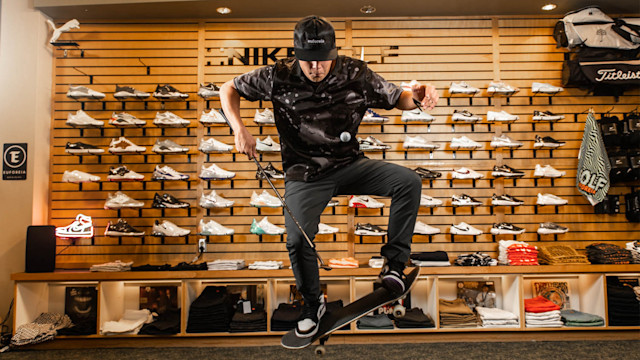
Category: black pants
[307,201]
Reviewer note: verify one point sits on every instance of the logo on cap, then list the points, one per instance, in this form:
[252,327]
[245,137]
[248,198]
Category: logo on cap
[315,41]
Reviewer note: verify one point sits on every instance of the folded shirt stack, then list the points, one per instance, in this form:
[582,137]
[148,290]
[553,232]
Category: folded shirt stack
[236,264]
[183,266]
[211,311]
[265,265]
[560,255]
[130,324]
[503,245]
[602,253]
[376,262]
[519,254]
[430,258]
[541,312]
[42,329]
[112,266]
[634,248]
[496,318]
[475,259]
[344,263]
[413,319]
[254,321]
[285,317]
[576,318]
[623,305]
[167,323]
[456,314]
[375,322]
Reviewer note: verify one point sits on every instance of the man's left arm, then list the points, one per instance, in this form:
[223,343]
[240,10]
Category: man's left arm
[425,95]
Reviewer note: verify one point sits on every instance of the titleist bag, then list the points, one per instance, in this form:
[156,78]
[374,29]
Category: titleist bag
[590,27]
[602,71]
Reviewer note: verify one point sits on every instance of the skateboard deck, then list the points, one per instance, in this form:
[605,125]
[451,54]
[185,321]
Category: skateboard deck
[332,321]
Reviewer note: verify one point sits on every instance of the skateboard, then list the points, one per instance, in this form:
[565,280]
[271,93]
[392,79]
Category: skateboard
[332,321]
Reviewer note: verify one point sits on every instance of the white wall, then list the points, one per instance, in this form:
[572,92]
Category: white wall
[25,116]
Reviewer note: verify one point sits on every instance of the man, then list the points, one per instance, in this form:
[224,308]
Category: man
[319,99]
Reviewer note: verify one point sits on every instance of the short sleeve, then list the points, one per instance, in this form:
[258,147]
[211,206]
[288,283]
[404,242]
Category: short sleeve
[379,92]
[256,84]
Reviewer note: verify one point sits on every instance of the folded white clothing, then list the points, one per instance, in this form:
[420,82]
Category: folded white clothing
[542,315]
[234,264]
[430,263]
[131,323]
[376,262]
[265,265]
[500,326]
[543,322]
[500,322]
[554,324]
[495,314]
[112,266]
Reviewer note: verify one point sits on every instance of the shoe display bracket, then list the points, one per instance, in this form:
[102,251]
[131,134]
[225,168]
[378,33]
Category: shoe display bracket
[384,238]
[475,237]
[493,237]
[549,96]
[555,237]
[210,180]
[430,236]
[453,209]
[381,210]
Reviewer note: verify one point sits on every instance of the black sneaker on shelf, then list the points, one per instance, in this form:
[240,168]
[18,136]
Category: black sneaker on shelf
[122,228]
[505,200]
[547,142]
[312,312]
[167,201]
[209,90]
[126,92]
[506,228]
[392,276]
[427,174]
[168,92]
[271,171]
[506,171]
[369,229]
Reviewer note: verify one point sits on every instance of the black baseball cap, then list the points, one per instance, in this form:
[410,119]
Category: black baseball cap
[314,39]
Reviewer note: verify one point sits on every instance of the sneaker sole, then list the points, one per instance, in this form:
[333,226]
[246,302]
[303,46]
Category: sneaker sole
[117,233]
[369,233]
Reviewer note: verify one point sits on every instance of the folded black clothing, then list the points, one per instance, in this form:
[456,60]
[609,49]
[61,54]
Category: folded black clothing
[80,328]
[184,266]
[430,256]
[164,324]
[255,316]
[210,296]
[475,259]
[287,313]
[147,267]
[415,315]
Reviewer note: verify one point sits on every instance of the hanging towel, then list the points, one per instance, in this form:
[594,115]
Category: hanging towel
[592,178]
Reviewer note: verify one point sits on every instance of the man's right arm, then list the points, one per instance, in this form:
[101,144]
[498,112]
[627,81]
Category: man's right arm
[230,100]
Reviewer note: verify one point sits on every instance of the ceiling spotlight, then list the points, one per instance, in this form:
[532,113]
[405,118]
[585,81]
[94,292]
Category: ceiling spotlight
[367,9]
[549,7]
[223,10]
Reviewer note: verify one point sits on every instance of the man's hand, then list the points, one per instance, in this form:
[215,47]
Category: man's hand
[245,143]
[425,94]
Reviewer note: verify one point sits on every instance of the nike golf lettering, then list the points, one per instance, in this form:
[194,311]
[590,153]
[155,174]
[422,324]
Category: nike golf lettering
[591,182]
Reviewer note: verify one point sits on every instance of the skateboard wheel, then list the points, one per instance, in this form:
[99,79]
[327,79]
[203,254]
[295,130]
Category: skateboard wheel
[399,311]
[320,350]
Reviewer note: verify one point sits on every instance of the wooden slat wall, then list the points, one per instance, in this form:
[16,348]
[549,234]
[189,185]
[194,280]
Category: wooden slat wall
[479,50]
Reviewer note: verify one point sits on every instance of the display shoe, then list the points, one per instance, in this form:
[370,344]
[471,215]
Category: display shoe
[546,116]
[121,173]
[547,171]
[77,176]
[462,88]
[503,141]
[168,147]
[407,86]
[547,142]
[82,120]
[122,228]
[427,174]
[168,92]
[416,115]
[264,200]
[212,145]
[168,201]
[371,144]
[167,228]
[505,200]
[501,116]
[212,117]
[550,199]
[504,228]
[121,200]
[267,145]
[506,171]
[213,200]
[364,201]
[127,92]
[212,228]
[83,92]
[82,148]
[551,228]
[369,229]
[264,118]
[465,173]
[464,200]
[464,142]
[169,119]
[265,227]
[333,203]
[464,229]
[124,119]
[271,171]
[424,229]
[418,142]
[371,116]
[123,145]
[213,172]
[544,88]
[324,229]
[501,88]
[81,227]
[208,90]
[167,173]
[466,116]
[428,201]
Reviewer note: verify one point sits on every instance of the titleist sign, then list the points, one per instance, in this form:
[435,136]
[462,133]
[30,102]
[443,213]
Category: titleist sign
[613,75]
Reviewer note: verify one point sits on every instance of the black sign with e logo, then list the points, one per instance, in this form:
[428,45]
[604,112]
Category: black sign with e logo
[14,161]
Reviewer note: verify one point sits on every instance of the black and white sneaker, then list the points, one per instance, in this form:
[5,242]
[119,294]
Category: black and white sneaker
[82,148]
[369,229]
[308,322]
[392,277]
[546,116]
[464,200]
[505,200]
[126,92]
[506,228]
[168,92]
[465,115]
[506,171]
[547,142]
[168,201]
[552,228]
[122,228]
[271,171]
[208,90]
[427,174]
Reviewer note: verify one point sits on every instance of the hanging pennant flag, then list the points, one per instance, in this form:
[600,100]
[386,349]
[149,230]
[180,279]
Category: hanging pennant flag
[592,178]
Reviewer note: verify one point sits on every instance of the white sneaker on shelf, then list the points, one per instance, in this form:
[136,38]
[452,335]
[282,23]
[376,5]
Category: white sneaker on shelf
[168,147]
[214,172]
[167,173]
[208,90]
[121,173]
[324,229]
[372,144]
[267,145]
[428,201]
[465,173]
[371,116]
[212,117]
[212,228]
[83,92]
[501,116]
[77,176]
[544,88]
[212,145]
[462,88]
[81,227]
[82,119]
[213,200]
[547,171]
[416,115]
[464,200]
[464,229]
[550,199]
[546,116]
[264,200]
[551,228]
[406,86]
[424,229]
[167,228]
[364,201]
[123,145]
[505,141]
[418,142]
[124,119]
[501,88]
[466,116]
[265,227]
[505,228]
[121,200]
[464,142]
[169,119]
[264,118]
